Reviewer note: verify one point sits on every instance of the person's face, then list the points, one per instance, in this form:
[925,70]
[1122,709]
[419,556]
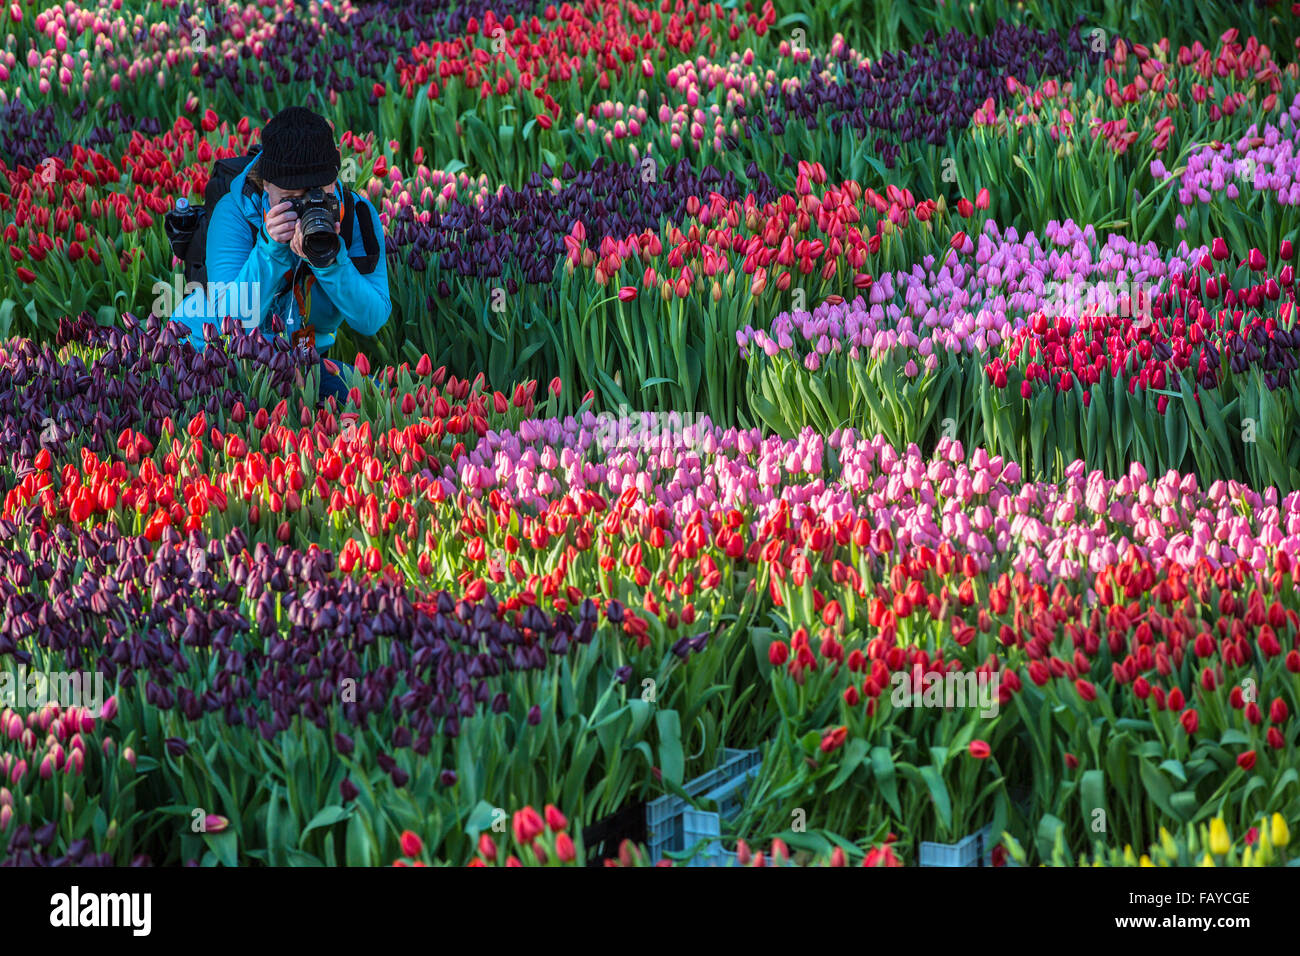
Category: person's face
[275,195]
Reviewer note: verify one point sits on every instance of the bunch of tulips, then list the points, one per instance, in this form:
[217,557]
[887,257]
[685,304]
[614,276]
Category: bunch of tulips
[757,378]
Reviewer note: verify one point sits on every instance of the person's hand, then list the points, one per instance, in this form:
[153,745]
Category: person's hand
[295,242]
[282,222]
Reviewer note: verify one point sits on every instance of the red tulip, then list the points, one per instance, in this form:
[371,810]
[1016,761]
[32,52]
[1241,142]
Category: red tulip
[1219,249]
[1286,252]
[982,199]
[527,825]
[1190,720]
[27,275]
[1275,738]
[554,818]
[627,293]
[1085,689]
[564,848]
[979,749]
[834,739]
[1277,711]
[965,208]
[1255,259]
[1246,761]
[412,845]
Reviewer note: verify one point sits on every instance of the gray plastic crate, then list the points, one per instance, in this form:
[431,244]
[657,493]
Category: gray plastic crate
[700,825]
[974,850]
[665,832]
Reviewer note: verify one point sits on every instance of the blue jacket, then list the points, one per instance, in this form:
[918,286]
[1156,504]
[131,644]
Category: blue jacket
[258,271]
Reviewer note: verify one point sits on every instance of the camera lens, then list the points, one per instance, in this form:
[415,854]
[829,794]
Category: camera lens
[319,240]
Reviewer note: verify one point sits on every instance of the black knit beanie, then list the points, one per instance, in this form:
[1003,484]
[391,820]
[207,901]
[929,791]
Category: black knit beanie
[298,150]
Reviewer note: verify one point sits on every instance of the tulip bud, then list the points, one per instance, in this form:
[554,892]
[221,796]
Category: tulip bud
[564,848]
[1279,834]
[412,845]
[1220,844]
[527,825]
[780,852]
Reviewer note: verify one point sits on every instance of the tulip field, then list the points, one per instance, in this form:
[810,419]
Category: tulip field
[758,373]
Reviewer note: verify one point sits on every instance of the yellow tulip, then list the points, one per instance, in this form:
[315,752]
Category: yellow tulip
[1167,843]
[1281,835]
[1208,861]
[1145,861]
[1219,842]
[1247,858]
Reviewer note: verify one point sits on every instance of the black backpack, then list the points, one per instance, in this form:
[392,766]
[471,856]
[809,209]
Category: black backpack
[188,233]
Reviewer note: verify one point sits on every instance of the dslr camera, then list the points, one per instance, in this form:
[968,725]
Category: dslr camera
[318,211]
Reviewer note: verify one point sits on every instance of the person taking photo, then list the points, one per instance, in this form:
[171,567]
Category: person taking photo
[310,250]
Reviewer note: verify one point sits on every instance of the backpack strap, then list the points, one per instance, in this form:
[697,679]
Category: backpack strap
[360,213]
[252,178]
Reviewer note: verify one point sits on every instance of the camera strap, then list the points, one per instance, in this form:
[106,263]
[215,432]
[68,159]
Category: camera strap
[302,296]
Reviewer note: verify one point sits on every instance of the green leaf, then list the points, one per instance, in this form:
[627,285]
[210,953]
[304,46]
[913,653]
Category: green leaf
[853,754]
[672,761]
[1049,828]
[361,851]
[1185,804]
[225,846]
[1157,787]
[939,794]
[1175,768]
[1092,794]
[480,819]
[326,818]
